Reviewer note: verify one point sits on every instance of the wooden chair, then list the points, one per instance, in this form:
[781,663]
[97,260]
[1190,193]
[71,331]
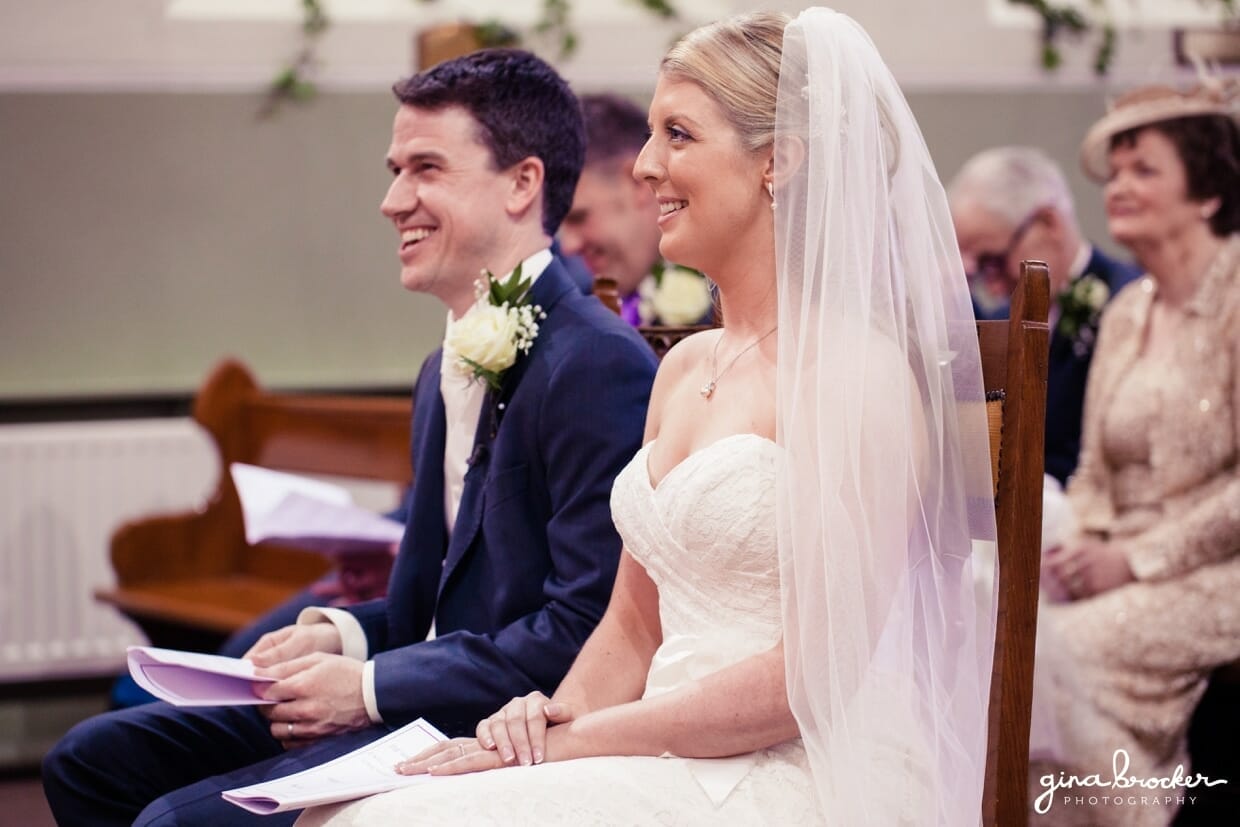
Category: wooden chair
[1014,359]
[189,580]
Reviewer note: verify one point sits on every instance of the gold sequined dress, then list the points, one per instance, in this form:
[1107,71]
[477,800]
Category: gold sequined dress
[1158,475]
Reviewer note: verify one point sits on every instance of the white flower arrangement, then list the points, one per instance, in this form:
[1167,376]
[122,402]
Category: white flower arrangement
[1080,307]
[674,295]
[501,325]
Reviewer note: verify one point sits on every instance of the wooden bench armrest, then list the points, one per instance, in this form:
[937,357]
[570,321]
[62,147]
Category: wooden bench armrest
[216,605]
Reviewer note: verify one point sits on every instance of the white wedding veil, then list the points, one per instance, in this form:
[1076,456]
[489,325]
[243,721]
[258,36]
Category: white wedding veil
[884,488]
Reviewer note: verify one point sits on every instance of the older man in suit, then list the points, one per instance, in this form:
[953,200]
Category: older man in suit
[509,553]
[1010,204]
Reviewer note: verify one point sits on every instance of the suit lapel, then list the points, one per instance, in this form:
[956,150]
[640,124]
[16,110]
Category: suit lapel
[415,575]
[469,512]
[552,285]
[428,455]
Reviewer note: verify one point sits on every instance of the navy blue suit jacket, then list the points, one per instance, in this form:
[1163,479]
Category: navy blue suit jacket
[575,267]
[1067,370]
[532,558]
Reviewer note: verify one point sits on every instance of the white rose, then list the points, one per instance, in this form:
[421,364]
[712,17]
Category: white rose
[682,297]
[487,336]
[1097,293]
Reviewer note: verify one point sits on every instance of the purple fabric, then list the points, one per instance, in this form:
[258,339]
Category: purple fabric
[629,311]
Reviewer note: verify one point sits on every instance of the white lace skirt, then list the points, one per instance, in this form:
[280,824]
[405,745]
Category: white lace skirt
[594,791]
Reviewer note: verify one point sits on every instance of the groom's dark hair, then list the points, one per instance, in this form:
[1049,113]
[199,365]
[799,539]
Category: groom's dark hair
[523,108]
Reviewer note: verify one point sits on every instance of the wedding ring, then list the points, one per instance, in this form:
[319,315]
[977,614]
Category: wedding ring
[290,730]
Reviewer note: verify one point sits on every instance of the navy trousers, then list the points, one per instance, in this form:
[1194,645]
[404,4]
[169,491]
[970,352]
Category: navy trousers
[156,764]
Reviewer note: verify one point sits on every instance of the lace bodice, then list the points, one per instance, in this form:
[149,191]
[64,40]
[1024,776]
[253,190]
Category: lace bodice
[706,537]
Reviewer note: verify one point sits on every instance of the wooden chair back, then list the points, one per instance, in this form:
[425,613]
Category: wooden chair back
[191,579]
[1014,361]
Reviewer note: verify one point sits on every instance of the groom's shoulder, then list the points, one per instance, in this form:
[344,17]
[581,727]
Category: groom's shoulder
[581,328]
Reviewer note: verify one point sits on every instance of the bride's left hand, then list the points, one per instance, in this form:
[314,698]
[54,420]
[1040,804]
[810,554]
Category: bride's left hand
[452,757]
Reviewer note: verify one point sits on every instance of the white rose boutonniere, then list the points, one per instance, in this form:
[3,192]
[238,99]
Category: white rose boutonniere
[501,325]
[681,296]
[1080,307]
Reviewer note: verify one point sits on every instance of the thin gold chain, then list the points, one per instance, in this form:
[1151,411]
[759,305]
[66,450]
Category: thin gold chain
[708,389]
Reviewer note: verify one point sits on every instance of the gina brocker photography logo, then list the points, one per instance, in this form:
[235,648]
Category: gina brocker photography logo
[1120,789]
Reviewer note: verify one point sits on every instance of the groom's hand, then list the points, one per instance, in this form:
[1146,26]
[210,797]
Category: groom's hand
[319,694]
[292,642]
[518,732]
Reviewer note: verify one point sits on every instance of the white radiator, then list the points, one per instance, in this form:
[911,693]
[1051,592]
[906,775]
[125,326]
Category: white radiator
[63,489]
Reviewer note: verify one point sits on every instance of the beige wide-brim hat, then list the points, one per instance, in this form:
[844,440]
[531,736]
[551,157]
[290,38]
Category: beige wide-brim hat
[1148,105]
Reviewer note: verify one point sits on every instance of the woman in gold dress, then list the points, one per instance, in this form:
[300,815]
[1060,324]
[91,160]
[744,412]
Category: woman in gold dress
[1152,569]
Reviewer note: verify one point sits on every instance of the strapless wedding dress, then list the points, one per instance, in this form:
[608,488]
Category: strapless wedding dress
[706,536]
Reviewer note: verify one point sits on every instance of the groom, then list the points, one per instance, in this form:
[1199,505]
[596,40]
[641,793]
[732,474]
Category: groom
[509,552]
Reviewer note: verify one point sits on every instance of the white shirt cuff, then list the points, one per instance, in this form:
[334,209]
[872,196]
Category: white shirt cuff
[352,645]
[352,638]
[368,692]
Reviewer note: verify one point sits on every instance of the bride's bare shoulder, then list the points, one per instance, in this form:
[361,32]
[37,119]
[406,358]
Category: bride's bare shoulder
[675,369]
[687,354]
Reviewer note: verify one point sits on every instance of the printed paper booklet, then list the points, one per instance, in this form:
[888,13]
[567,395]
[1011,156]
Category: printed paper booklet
[194,679]
[307,513]
[365,771]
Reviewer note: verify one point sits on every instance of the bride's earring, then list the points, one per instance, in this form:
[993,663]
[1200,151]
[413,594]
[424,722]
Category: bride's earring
[770,190]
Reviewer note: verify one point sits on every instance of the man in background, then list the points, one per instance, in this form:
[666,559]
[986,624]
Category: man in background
[1009,204]
[613,222]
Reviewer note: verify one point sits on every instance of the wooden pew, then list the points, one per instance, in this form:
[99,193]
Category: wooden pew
[189,580]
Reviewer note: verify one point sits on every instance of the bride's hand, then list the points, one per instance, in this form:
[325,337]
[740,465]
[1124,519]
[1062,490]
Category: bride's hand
[518,732]
[452,757]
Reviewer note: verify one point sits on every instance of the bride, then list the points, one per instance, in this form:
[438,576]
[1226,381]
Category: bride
[793,635]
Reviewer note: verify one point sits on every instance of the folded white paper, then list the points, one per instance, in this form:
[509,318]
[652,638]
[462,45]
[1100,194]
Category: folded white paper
[365,771]
[307,513]
[195,679]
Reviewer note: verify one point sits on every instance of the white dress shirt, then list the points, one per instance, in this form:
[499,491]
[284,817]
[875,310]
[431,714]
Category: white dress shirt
[462,403]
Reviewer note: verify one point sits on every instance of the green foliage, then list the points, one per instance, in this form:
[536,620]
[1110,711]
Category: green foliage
[556,24]
[314,19]
[493,33]
[1106,50]
[1059,20]
[659,8]
[292,82]
[511,292]
[290,85]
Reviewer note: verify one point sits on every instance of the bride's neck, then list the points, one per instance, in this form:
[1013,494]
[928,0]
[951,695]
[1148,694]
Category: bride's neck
[747,297]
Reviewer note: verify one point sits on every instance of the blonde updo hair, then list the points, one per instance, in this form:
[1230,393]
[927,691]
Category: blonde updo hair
[736,62]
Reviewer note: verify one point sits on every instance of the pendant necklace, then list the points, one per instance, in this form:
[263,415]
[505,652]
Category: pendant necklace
[708,389]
